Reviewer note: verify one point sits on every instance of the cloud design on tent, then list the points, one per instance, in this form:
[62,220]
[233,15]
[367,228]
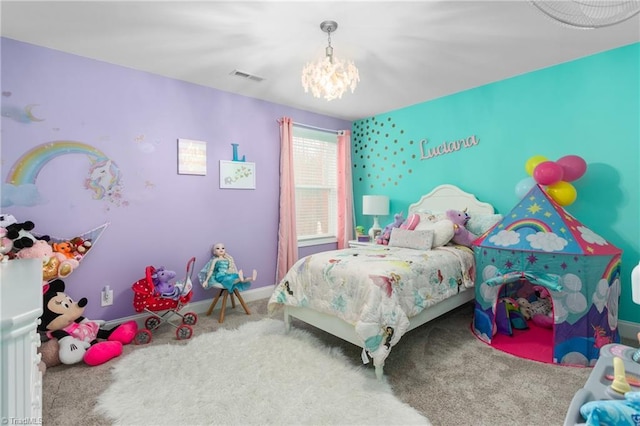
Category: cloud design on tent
[505,238]
[591,237]
[601,295]
[614,297]
[573,299]
[548,242]
[489,292]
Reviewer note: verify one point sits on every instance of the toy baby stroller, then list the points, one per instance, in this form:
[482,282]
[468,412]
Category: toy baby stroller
[146,298]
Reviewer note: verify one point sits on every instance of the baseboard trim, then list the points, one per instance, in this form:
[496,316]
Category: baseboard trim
[629,330]
[200,307]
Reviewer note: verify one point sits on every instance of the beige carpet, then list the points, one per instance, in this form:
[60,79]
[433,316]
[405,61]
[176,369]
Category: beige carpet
[440,369]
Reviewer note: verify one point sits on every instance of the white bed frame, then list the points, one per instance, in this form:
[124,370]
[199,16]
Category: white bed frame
[442,198]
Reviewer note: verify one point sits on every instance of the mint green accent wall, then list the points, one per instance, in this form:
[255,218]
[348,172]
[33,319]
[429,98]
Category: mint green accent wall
[588,107]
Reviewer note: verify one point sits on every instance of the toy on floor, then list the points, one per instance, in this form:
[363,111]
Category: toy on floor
[509,316]
[613,412]
[619,386]
[78,336]
[542,309]
[147,299]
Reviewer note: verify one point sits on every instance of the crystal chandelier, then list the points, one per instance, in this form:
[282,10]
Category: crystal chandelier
[329,77]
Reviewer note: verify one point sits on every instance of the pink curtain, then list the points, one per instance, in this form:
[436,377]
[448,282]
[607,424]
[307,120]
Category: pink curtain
[287,235]
[345,190]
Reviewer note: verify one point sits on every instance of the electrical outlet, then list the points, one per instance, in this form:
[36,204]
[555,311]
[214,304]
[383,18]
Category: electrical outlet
[107,297]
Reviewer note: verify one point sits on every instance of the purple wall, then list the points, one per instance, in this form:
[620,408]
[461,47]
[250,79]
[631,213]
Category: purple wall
[135,119]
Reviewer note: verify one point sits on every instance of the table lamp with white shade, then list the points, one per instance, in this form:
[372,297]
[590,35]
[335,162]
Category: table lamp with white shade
[375,205]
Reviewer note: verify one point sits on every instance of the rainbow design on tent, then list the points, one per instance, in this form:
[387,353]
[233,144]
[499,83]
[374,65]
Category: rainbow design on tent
[613,270]
[533,224]
[538,244]
[104,177]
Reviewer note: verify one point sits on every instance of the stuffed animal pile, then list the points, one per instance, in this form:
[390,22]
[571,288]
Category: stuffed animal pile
[59,258]
[17,233]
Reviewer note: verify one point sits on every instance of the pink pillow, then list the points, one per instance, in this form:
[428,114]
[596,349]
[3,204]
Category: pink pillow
[411,222]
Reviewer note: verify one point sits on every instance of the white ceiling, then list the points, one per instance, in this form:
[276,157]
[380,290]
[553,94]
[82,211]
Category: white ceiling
[407,52]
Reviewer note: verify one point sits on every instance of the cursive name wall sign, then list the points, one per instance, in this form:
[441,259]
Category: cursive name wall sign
[446,147]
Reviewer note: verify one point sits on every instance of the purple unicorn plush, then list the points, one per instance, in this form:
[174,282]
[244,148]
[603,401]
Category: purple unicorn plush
[462,235]
[161,282]
[385,235]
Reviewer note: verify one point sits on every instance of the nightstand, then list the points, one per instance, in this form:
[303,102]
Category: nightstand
[356,243]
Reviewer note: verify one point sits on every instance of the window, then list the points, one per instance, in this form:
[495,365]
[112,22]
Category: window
[315,157]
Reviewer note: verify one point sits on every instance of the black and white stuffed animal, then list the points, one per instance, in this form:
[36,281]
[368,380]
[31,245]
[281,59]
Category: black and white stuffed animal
[18,232]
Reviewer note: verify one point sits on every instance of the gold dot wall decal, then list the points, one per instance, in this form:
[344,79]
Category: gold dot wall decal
[381,140]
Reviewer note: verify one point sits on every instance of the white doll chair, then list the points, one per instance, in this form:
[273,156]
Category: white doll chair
[225,293]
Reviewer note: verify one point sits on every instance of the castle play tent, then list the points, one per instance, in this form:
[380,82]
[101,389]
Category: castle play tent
[539,244]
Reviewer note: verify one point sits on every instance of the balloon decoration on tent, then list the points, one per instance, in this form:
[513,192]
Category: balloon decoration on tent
[554,176]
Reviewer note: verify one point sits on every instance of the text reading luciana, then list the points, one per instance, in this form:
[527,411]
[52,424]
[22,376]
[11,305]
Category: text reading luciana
[446,147]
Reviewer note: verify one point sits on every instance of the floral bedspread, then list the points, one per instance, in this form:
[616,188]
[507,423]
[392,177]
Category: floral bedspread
[376,288]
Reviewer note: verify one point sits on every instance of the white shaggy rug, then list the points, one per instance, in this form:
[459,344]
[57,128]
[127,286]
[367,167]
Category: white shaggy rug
[256,374]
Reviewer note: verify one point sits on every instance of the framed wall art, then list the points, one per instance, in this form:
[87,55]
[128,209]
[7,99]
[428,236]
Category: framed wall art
[237,175]
[192,157]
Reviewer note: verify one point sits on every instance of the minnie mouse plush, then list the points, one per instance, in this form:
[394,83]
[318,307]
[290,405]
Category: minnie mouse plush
[77,336]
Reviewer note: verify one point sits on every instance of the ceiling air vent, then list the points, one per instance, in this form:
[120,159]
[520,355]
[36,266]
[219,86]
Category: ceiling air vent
[246,75]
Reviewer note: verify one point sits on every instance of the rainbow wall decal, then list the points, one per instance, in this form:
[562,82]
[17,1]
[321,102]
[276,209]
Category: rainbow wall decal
[103,176]
[534,224]
[26,168]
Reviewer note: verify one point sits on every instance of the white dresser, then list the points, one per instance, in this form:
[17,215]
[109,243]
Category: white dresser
[21,305]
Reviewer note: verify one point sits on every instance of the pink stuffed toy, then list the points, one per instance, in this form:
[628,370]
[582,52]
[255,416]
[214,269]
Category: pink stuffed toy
[54,264]
[462,235]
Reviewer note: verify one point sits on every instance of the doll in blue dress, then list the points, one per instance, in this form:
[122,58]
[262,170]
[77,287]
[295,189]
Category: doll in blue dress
[221,269]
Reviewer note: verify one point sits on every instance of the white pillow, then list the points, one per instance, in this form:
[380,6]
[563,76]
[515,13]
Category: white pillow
[432,217]
[478,224]
[442,231]
[420,240]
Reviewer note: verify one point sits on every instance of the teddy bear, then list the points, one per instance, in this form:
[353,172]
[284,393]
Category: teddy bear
[461,236]
[65,248]
[54,264]
[80,339]
[80,246]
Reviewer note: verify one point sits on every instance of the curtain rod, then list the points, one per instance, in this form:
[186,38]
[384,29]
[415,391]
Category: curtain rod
[308,126]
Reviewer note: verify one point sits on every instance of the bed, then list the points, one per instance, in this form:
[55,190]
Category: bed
[372,295]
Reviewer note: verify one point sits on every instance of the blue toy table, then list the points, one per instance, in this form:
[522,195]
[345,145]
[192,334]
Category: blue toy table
[597,383]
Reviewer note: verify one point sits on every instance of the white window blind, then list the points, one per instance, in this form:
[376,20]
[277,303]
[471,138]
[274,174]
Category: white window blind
[315,157]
